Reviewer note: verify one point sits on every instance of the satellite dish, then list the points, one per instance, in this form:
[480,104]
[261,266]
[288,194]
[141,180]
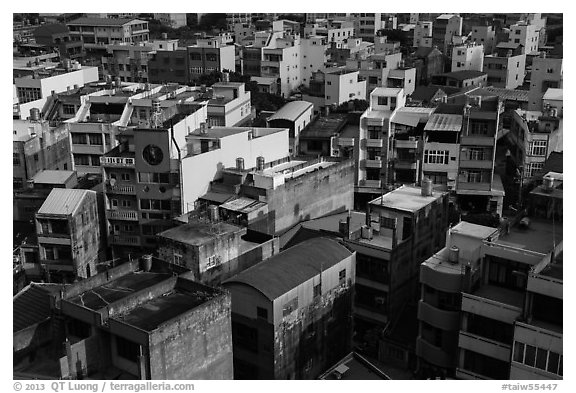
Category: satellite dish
[112,182]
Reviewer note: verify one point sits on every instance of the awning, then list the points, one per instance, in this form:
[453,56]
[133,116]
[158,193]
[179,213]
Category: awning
[217,197]
[406,119]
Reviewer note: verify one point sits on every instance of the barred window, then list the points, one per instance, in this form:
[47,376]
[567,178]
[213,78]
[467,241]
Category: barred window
[436,156]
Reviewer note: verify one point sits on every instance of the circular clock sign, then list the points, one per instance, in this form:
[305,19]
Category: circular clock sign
[152,154]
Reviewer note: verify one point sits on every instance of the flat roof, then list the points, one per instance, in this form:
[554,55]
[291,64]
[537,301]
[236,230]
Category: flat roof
[406,198]
[263,80]
[99,297]
[52,177]
[150,315]
[292,267]
[473,230]
[325,127]
[538,237]
[291,111]
[63,201]
[444,122]
[103,21]
[198,233]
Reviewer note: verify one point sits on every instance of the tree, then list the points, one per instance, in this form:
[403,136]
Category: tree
[213,21]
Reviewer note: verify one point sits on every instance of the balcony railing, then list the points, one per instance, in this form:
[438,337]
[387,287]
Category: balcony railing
[433,354]
[405,164]
[484,346]
[125,240]
[373,163]
[346,142]
[371,183]
[479,164]
[120,189]
[374,142]
[490,308]
[129,215]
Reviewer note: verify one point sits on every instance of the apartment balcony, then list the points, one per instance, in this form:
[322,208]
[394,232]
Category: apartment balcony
[62,240]
[484,346]
[118,162]
[270,63]
[374,143]
[373,284]
[371,183]
[127,215]
[406,144]
[58,264]
[433,354]
[476,164]
[405,164]
[481,304]
[124,240]
[372,163]
[445,320]
[545,285]
[346,142]
[370,314]
[477,141]
[121,189]
[447,280]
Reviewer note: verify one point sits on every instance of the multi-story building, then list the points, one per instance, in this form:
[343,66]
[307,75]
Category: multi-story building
[343,85]
[423,34]
[291,314]
[333,31]
[534,136]
[428,62]
[230,104]
[468,57]
[443,278]
[444,28]
[374,140]
[242,31]
[36,147]
[281,60]
[210,55]
[35,82]
[69,242]
[173,20]
[385,70]
[214,250]
[352,48]
[484,35]
[477,186]
[56,35]
[294,116]
[313,56]
[366,25]
[322,136]
[167,66]
[144,320]
[506,68]
[546,73]
[526,35]
[407,130]
[129,62]
[461,79]
[96,32]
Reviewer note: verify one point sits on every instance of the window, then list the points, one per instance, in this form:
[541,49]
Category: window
[538,148]
[479,128]
[17,183]
[533,168]
[16,159]
[342,275]
[289,307]
[530,355]
[95,139]
[126,203]
[382,100]
[518,352]
[317,291]
[79,139]
[436,156]
[68,109]
[213,261]
[81,159]
[262,313]
[125,176]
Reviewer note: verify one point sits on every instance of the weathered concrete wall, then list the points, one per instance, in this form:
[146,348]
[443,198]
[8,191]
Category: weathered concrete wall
[310,196]
[197,346]
[82,358]
[32,337]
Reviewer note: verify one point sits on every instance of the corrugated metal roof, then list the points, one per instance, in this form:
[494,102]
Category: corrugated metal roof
[285,271]
[63,201]
[291,111]
[217,196]
[405,119]
[102,21]
[32,305]
[444,122]
[243,205]
[52,177]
